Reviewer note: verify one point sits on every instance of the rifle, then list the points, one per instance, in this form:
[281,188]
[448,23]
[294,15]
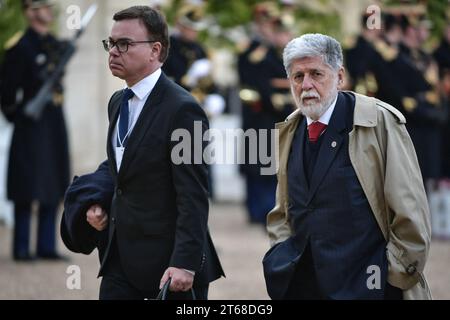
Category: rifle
[35,106]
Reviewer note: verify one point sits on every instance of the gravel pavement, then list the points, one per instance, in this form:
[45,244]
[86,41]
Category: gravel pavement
[240,247]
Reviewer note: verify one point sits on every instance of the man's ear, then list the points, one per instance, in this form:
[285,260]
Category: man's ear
[341,78]
[156,51]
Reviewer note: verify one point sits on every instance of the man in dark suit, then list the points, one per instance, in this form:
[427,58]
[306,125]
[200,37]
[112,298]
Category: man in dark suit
[189,66]
[351,219]
[157,221]
[38,166]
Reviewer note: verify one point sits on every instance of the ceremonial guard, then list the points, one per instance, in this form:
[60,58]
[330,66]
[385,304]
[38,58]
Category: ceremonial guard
[38,169]
[266,99]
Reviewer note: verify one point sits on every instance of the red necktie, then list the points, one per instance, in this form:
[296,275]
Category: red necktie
[315,129]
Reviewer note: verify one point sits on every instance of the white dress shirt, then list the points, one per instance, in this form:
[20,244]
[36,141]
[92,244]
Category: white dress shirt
[141,91]
[325,118]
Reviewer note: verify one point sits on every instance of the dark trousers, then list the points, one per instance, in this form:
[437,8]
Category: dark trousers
[46,229]
[304,285]
[115,285]
[392,293]
[260,197]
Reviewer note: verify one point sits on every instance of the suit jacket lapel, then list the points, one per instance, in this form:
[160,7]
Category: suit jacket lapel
[301,138]
[139,130]
[286,132]
[331,144]
[144,122]
[112,122]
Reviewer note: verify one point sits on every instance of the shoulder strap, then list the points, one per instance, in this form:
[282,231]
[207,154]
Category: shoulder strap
[400,117]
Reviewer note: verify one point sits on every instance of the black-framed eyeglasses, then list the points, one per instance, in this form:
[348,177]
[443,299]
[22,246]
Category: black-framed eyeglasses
[121,44]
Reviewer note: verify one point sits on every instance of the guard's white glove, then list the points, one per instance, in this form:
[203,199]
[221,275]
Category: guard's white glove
[214,104]
[199,69]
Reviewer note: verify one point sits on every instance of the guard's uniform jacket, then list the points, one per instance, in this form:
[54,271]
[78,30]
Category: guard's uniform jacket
[38,159]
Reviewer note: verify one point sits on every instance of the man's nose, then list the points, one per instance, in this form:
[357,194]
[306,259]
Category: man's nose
[307,83]
[114,51]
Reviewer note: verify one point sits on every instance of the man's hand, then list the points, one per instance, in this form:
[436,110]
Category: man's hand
[181,279]
[97,217]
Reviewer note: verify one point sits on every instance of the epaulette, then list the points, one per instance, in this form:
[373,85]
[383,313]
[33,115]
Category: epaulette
[432,97]
[248,95]
[387,52]
[349,42]
[432,75]
[409,104]
[280,100]
[242,46]
[11,42]
[258,54]
[400,117]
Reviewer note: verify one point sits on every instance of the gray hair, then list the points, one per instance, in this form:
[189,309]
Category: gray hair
[313,45]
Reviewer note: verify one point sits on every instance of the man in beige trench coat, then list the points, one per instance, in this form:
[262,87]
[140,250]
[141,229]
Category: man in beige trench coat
[351,219]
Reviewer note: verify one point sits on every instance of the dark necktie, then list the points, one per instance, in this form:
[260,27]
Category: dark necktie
[315,129]
[124,115]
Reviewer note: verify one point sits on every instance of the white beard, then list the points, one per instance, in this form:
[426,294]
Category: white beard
[317,109]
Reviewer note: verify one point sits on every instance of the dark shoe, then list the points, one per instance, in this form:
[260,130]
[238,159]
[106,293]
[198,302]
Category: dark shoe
[26,257]
[52,256]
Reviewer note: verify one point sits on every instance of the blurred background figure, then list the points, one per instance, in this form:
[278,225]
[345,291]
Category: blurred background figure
[373,58]
[359,56]
[266,99]
[423,105]
[38,171]
[393,66]
[188,64]
[442,56]
[442,53]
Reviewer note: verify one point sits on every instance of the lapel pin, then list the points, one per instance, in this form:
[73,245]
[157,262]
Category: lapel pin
[334,144]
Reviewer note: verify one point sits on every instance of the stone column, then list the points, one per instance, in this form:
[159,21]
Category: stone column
[88,87]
